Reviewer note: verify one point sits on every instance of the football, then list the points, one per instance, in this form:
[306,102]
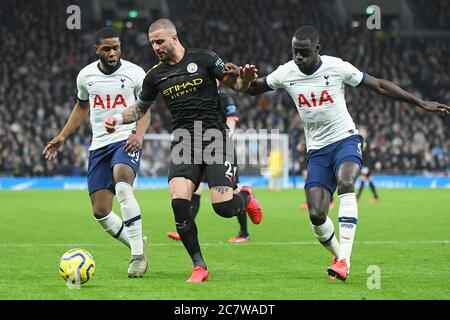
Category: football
[76,266]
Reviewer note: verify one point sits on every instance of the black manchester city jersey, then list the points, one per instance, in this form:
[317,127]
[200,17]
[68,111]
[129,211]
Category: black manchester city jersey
[189,89]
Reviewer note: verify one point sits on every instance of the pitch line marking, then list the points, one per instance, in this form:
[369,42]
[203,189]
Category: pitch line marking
[270,243]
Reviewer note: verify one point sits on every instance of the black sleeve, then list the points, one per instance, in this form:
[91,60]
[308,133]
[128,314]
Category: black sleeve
[149,90]
[214,64]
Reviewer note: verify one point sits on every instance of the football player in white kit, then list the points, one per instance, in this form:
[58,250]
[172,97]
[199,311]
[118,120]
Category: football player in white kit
[107,87]
[316,84]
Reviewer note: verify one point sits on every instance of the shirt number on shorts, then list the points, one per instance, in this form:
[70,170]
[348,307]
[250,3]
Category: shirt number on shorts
[134,156]
[231,171]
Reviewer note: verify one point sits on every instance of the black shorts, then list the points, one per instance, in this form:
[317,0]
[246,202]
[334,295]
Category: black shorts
[221,172]
[203,179]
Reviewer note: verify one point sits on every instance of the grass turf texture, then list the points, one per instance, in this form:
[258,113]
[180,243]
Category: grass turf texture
[406,235]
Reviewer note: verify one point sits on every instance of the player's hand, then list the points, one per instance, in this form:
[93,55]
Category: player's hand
[51,149]
[110,124]
[231,70]
[432,106]
[134,142]
[248,73]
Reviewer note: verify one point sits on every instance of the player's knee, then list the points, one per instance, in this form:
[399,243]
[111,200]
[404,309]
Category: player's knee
[317,215]
[101,210]
[124,191]
[225,209]
[346,186]
[182,211]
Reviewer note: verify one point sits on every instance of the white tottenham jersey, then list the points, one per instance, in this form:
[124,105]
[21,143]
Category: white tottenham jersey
[109,94]
[319,98]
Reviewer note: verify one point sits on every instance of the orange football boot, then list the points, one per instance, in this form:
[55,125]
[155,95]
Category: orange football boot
[339,269]
[199,274]
[253,208]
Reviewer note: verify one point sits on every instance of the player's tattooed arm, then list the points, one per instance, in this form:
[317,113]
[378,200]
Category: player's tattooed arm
[133,114]
[136,138]
[391,90]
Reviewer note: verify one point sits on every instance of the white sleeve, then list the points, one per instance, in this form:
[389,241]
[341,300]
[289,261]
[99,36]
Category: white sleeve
[140,75]
[275,80]
[82,94]
[350,74]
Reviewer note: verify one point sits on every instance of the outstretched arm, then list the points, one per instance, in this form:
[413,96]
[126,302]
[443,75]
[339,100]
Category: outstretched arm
[258,86]
[239,78]
[134,113]
[247,78]
[389,89]
[79,113]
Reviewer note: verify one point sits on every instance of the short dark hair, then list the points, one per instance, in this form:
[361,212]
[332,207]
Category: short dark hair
[165,24]
[307,32]
[105,33]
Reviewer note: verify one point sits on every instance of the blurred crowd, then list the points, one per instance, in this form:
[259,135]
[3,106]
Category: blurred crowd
[41,58]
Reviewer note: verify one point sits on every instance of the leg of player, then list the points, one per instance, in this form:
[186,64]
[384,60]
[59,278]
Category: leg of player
[124,177]
[228,204]
[181,190]
[195,207]
[362,179]
[318,200]
[374,191]
[102,206]
[195,201]
[304,206]
[243,235]
[348,217]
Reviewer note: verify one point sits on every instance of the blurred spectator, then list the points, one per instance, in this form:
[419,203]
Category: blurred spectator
[41,59]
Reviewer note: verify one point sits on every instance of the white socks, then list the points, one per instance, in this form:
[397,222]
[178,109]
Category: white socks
[131,214]
[325,234]
[115,227]
[348,218]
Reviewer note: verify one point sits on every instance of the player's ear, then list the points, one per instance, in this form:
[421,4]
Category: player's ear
[95,48]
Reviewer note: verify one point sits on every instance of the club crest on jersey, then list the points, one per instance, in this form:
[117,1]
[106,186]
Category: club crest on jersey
[192,67]
[123,85]
[326,79]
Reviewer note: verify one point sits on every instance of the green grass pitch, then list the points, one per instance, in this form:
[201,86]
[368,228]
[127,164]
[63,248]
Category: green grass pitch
[406,236]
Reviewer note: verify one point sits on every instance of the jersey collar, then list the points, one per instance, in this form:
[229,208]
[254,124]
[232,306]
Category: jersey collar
[314,69]
[110,71]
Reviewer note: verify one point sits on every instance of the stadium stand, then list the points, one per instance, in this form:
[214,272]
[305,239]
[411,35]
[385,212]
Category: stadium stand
[41,59]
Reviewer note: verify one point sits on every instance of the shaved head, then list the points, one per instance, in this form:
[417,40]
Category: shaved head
[163,24]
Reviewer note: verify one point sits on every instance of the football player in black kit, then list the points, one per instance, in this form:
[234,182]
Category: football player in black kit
[231,119]
[187,80]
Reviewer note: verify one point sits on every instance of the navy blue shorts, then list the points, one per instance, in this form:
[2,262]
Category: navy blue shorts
[102,161]
[323,164]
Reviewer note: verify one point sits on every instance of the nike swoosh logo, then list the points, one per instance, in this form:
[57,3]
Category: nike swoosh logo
[90,84]
[292,83]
